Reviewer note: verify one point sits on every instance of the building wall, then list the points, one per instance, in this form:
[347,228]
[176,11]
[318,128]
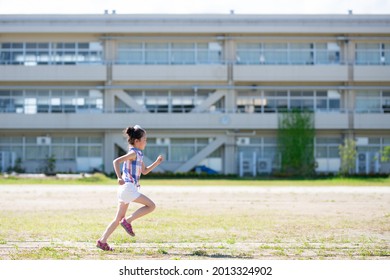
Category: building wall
[208,88]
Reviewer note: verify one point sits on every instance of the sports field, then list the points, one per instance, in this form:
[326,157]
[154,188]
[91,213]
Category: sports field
[198,222]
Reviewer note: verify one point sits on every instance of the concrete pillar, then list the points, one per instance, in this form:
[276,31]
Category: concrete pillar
[109,57]
[109,101]
[230,101]
[350,60]
[109,152]
[230,56]
[229,156]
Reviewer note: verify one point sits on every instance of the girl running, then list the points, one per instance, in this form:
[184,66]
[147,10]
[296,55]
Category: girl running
[128,182]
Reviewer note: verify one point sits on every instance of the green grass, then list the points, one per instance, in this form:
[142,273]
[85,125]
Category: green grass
[101,179]
[264,182]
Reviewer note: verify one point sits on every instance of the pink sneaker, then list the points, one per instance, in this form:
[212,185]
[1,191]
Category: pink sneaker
[103,246]
[128,228]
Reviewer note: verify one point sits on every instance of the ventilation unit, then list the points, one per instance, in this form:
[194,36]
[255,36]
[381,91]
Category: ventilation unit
[243,141]
[43,140]
[162,141]
[264,166]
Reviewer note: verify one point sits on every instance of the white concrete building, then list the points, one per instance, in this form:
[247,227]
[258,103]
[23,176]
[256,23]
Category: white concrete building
[207,88]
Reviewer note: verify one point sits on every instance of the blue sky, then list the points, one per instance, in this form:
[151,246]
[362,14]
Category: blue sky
[195,6]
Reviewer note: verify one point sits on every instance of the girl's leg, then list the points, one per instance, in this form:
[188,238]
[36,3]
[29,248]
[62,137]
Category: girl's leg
[148,207]
[122,208]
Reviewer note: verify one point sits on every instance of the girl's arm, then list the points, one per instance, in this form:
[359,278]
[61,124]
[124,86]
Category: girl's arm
[146,170]
[117,165]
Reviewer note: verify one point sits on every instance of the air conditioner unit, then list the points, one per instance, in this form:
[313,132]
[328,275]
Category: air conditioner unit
[162,141]
[43,140]
[362,163]
[263,166]
[243,141]
[362,157]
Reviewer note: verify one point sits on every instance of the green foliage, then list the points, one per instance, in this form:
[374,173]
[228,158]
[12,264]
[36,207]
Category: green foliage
[296,143]
[385,154]
[348,156]
[18,168]
[50,165]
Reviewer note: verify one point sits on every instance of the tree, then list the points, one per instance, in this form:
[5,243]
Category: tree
[296,143]
[50,165]
[18,168]
[348,156]
[385,154]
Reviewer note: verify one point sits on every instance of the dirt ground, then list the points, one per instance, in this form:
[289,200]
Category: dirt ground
[348,201]
[355,203]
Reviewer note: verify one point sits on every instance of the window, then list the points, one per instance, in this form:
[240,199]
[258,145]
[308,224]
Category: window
[175,149]
[327,147]
[157,102]
[209,53]
[169,53]
[368,102]
[305,53]
[89,147]
[249,53]
[183,53]
[51,101]
[265,148]
[327,53]
[272,101]
[33,53]
[302,53]
[174,101]
[156,148]
[372,53]
[386,101]
[13,145]
[11,53]
[385,55]
[328,100]
[276,53]
[30,105]
[64,152]
[302,100]
[275,101]
[130,53]
[182,153]
[372,146]
[250,102]
[156,53]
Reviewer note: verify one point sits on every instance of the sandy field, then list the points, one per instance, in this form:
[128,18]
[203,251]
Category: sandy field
[360,205]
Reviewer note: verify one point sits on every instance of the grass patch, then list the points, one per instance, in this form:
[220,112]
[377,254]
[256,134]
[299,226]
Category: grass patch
[94,179]
[101,179]
[200,252]
[44,253]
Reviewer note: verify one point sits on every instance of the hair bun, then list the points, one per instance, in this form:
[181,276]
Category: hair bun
[133,133]
[129,131]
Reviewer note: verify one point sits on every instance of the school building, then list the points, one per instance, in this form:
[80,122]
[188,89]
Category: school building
[207,88]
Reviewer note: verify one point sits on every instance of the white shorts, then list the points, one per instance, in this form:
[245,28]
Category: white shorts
[128,193]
